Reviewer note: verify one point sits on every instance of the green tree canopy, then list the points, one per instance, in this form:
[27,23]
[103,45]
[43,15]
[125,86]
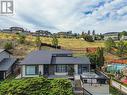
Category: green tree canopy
[121,48]
[38,42]
[36,86]
[8,45]
[109,44]
[21,38]
[124,33]
[97,58]
[55,41]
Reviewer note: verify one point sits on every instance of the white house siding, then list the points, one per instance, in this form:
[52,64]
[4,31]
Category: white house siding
[41,69]
[76,69]
[3,55]
[56,73]
[23,70]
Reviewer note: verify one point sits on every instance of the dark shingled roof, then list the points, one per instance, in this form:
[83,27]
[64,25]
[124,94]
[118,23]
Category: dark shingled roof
[42,56]
[38,57]
[6,63]
[46,57]
[70,60]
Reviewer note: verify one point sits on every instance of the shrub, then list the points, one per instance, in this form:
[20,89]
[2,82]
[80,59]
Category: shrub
[21,38]
[36,86]
[55,41]
[8,45]
[88,38]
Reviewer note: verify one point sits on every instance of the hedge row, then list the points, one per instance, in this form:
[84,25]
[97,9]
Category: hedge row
[36,86]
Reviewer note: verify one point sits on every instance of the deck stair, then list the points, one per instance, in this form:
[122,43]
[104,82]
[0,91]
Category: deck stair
[78,88]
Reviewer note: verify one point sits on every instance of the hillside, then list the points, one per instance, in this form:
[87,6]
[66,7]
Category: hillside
[23,49]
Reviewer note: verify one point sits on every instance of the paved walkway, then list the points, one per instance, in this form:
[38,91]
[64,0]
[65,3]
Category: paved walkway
[119,86]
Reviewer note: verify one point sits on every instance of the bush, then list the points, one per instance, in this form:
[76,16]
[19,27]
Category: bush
[61,87]
[36,86]
[21,38]
[8,45]
[88,38]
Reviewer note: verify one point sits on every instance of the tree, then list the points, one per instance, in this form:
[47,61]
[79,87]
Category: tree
[101,36]
[82,35]
[93,33]
[38,42]
[88,32]
[124,33]
[92,57]
[109,44]
[121,48]
[100,57]
[88,38]
[8,45]
[55,41]
[97,58]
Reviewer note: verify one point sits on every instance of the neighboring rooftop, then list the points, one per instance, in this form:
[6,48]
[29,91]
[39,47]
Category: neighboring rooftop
[111,33]
[6,63]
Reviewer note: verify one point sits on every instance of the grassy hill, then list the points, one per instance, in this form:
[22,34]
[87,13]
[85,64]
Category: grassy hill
[64,42]
[23,49]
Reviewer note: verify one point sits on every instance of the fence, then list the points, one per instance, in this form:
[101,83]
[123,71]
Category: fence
[82,50]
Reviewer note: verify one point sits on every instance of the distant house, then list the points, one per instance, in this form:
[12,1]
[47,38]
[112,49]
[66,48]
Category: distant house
[113,35]
[44,33]
[57,62]
[6,63]
[65,34]
[6,30]
[123,37]
[13,30]
[16,29]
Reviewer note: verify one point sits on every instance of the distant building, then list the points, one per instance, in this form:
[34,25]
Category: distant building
[16,29]
[65,34]
[113,35]
[6,30]
[43,33]
[123,37]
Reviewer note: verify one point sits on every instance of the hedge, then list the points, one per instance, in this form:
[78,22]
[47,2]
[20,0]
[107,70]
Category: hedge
[36,86]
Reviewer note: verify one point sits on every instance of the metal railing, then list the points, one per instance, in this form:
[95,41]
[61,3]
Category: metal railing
[85,92]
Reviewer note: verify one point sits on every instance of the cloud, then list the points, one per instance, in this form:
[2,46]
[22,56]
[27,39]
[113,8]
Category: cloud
[64,15]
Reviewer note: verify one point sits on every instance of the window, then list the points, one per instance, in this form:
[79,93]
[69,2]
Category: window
[83,68]
[61,68]
[31,70]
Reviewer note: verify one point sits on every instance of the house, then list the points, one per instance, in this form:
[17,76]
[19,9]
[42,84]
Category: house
[16,29]
[6,31]
[68,34]
[7,63]
[113,35]
[43,33]
[57,62]
[123,37]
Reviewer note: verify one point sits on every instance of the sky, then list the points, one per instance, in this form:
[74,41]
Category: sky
[68,15]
